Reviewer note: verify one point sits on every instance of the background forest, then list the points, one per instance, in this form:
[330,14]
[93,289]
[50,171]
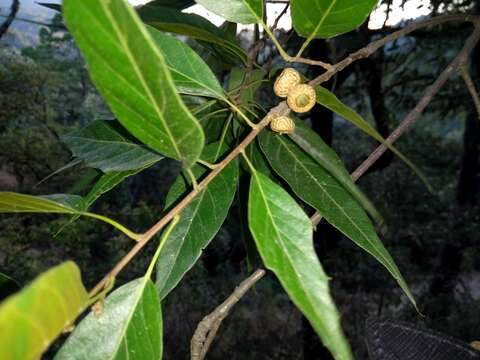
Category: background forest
[45,93]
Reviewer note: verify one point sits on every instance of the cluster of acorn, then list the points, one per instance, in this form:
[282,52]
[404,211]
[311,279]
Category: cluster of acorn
[300,98]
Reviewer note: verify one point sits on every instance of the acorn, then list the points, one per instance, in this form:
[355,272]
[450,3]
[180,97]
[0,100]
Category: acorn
[475,345]
[283,125]
[286,81]
[301,98]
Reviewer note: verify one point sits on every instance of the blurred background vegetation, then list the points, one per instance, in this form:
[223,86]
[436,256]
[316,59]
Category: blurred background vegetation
[45,93]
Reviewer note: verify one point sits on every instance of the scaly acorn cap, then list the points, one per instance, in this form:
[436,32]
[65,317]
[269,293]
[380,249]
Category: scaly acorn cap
[286,81]
[475,345]
[283,125]
[301,98]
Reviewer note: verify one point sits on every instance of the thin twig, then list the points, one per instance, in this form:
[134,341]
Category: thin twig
[374,46]
[387,13]
[9,19]
[277,19]
[302,60]
[471,88]
[208,327]
[39,23]
[413,116]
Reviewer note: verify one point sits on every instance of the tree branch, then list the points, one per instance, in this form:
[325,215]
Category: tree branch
[374,46]
[282,109]
[208,327]
[279,110]
[459,61]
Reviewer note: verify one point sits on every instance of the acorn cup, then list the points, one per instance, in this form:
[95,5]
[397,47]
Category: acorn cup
[301,98]
[286,81]
[282,125]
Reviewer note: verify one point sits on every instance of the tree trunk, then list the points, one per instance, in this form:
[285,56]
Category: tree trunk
[467,190]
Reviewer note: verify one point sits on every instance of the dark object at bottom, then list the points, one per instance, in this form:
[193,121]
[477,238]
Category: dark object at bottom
[395,340]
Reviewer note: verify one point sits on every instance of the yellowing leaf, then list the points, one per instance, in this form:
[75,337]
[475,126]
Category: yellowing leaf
[33,318]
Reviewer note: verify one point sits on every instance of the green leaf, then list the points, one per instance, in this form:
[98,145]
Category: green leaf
[283,234]
[199,222]
[7,286]
[314,146]
[191,25]
[239,11]
[130,326]
[322,191]
[58,204]
[190,73]
[327,18]
[330,101]
[131,74]
[175,4]
[105,145]
[106,183]
[33,318]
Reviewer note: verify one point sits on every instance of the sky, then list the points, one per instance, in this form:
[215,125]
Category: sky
[412,9]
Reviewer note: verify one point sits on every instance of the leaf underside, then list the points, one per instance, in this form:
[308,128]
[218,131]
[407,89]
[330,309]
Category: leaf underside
[283,234]
[319,189]
[130,326]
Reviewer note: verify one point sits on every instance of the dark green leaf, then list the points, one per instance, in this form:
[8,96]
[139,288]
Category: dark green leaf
[283,234]
[106,183]
[230,28]
[318,188]
[84,182]
[73,202]
[190,73]
[313,145]
[7,286]
[130,326]
[239,11]
[51,6]
[105,145]
[191,25]
[33,318]
[131,74]
[175,4]
[328,18]
[199,223]
[330,101]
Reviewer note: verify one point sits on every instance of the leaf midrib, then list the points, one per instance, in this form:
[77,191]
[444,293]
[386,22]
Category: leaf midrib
[281,244]
[141,291]
[137,69]
[387,263]
[322,20]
